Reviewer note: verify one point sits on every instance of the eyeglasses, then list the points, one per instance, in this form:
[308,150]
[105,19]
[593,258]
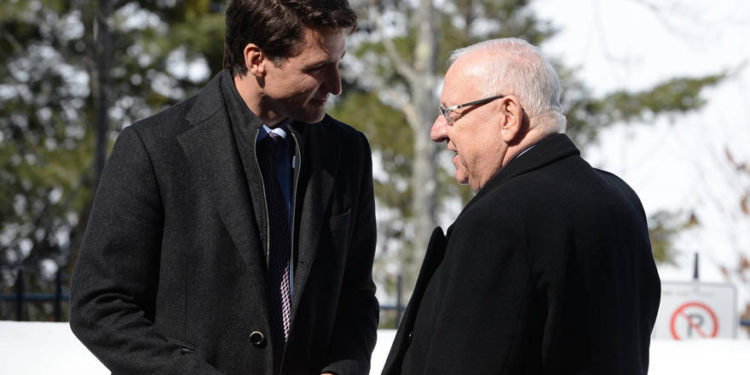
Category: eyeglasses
[446,111]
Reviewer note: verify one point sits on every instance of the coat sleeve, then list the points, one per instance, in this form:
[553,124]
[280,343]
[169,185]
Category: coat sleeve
[115,280]
[355,330]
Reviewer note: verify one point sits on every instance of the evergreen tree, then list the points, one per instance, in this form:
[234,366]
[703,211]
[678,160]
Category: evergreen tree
[160,52]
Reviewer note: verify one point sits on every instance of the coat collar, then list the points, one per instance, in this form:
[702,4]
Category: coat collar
[211,151]
[321,157]
[550,149]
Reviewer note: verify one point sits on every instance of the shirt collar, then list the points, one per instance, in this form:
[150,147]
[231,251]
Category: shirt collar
[281,130]
[524,151]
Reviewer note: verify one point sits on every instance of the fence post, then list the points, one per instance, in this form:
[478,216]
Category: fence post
[58,295]
[19,294]
[399,287]
[696,276]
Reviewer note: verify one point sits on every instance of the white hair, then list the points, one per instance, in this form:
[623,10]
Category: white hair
[515,67]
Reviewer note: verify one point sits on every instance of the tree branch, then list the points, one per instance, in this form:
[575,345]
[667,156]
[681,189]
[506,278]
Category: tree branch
[400,101]
[401,66]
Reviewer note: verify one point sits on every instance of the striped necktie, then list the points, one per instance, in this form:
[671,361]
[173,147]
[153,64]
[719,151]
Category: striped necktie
[280,245]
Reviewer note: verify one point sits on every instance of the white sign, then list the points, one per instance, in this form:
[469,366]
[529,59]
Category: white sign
[695,310]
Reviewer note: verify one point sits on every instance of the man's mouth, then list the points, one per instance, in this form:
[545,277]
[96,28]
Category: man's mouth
[319,101]
[454,157]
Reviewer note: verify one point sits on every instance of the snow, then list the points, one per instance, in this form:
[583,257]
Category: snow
[44,348]
[31,348]
[718,356]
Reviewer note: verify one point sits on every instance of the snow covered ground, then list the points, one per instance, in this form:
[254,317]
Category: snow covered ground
[33,348]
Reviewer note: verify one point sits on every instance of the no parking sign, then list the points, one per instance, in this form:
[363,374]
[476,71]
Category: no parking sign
[695,310]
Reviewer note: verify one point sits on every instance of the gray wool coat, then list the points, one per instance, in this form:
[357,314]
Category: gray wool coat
[170,278]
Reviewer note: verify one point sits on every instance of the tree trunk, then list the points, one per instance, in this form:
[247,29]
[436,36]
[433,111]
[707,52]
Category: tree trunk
[424,175]
[103,42]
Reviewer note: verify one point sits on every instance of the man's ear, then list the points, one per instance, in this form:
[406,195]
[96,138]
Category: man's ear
[512,123]
[254,60]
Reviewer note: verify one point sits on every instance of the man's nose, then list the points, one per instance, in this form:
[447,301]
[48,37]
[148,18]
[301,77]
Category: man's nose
[439,130]
[333,80]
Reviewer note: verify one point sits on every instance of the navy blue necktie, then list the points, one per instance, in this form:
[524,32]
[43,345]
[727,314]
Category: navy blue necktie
[280,245]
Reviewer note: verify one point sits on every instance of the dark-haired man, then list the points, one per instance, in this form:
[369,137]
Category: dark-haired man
[234,232]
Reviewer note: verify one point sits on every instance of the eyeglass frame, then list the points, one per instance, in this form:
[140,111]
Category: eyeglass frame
[445,111]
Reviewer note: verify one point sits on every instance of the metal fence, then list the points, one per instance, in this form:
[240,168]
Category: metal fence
[20,298]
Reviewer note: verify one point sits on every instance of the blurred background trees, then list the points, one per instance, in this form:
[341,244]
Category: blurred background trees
[394,78]
[50,86]
[162,51]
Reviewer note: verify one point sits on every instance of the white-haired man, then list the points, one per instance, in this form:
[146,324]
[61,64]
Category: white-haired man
[548,269]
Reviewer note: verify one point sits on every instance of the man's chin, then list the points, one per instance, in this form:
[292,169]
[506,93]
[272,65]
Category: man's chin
[311,117]
[461,179]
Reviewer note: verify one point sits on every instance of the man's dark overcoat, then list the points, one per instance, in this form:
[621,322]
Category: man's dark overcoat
[170,278]
[547,270]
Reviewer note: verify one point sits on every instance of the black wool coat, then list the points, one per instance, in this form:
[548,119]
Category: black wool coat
[547,270]
[170,278]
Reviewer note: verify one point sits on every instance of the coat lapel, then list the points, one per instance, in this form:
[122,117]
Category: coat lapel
[212,153]
[433,258]
[320,164]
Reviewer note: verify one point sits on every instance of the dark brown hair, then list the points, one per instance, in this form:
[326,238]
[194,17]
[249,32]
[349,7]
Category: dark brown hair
[276,26]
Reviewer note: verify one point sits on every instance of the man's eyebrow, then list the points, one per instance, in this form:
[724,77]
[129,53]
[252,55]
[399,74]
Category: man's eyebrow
[324,62]
[339,59]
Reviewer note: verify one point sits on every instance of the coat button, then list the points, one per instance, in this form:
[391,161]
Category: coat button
[257,339]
